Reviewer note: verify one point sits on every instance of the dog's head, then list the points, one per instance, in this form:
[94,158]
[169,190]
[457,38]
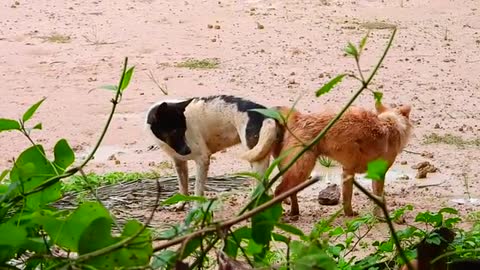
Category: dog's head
[403,110]
[168,123]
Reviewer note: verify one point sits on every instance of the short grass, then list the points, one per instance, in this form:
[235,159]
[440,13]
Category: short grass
[377,25]
[76,183]
[57,38]
[450,139]
[208,63]
[325,162]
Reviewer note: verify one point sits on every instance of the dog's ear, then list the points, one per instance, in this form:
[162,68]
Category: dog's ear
[380,107]
[405,110]
[155,112]
[182,105]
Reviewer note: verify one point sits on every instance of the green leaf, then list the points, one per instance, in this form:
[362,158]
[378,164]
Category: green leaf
[8,124]
[351,50]
[38,126]
[140,248]
[377,169]
[363,42]
[3,174]
[448,210]
[290,229]
[270,113]
[263,222]
[66,233]
[109,87]
[378,97]
[96,235]
[337,231]
[313,257]
[231,246]
[164,259]
[126,79]
[328,86]
[12,237]
[434,219]
[32,170]
[64,155]
[253,175]
[449,222]
[29,113]
[183,198]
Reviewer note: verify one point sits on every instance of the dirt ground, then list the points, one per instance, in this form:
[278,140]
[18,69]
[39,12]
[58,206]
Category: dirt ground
[269,51]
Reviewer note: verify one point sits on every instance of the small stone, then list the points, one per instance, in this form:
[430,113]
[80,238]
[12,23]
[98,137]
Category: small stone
[209,26]
[117,162]
[427,154]
[260,26]
[217,26]
[291,81]
[403,162]
[437,126]
[403,177]
[292,73]
[213,40]
[330,195]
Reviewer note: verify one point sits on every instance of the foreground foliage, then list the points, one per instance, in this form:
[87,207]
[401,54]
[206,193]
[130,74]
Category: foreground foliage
[36,235]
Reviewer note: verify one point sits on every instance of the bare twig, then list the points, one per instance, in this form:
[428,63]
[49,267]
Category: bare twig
[382,205]
[154,80]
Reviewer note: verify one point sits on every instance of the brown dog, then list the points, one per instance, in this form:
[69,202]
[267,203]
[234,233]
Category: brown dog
[359,137]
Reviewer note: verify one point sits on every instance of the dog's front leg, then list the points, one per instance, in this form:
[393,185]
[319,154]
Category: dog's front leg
[377,187]
[202,165]
[347,193]
[181,167]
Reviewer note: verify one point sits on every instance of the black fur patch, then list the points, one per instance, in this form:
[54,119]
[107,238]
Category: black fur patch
[167,121]
[255,119]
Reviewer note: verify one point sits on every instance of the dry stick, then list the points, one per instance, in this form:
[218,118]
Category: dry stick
[233,221]
[383,206]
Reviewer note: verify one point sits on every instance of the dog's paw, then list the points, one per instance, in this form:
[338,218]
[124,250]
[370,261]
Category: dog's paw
[350,213]
[289,218]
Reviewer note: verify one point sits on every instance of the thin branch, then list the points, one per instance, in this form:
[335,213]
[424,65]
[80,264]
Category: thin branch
[382,205]
[233,221]
[94,194]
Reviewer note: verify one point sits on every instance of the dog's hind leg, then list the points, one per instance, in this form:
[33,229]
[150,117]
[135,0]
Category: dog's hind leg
[295,175]
[378,187]
[347,192]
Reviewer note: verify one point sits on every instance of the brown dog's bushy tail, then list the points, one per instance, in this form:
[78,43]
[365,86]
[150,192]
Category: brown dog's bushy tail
[267,138]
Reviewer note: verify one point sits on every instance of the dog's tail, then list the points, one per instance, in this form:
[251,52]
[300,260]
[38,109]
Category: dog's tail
[267,138]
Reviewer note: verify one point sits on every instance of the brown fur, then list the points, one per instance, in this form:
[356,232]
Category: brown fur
[359,137]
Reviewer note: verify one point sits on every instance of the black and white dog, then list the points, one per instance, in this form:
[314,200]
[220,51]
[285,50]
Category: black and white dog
[196,128]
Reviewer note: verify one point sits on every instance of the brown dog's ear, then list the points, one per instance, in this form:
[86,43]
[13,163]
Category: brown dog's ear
[405,110]
[380,107]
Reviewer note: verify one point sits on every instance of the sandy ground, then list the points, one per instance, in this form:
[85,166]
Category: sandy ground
[434,65]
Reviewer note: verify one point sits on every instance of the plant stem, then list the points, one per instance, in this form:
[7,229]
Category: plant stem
[382,205]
